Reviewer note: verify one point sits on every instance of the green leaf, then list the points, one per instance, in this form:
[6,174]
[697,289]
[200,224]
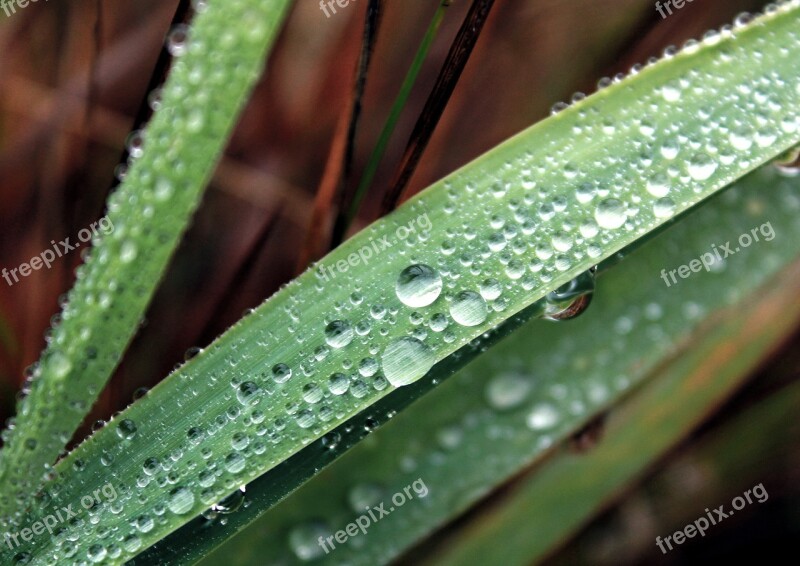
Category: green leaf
[147,214]
[509,408]
[750,447]
[563,493]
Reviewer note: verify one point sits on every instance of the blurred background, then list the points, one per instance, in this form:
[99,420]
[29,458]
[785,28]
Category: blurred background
[74,82]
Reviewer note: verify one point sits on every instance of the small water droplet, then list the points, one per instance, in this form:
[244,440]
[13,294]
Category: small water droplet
[248,393]
[542,416]
[610,214]
[701,167]
[338,334]
[304,540]
[507,391]
[178,40]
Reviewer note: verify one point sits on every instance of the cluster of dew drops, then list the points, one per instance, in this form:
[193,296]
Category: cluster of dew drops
[420,285]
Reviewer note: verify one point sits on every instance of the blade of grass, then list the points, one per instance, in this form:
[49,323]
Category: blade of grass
[579,369]
[724,469]
[565,492]
[215,419]
[147,216]
[345,220]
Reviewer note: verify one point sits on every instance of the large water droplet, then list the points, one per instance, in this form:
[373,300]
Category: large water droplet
[571,299]
[406,360]
[418,285]
[181,500]
[469,309]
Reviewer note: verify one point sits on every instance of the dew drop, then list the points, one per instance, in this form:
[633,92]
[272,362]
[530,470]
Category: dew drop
[281,373]
[338,334]
[126,429]
[304,540]
[701,167]
[418,285]
[507,391]
[542,416]
[127,252]
[406,360]
[338,384]
[231,503]
[97,553]
[610,214]
[571,299]
[181,500]
[178,40]
[664,207]
[469,309]
[248,393]
[234,462]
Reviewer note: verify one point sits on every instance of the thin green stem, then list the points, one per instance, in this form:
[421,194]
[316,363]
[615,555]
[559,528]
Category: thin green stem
[343,224]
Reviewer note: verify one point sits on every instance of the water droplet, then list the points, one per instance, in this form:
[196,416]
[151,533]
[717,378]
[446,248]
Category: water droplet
[788,164]
[230,504]
[701,167]
[281,373]
[312,393]
[418,285]
[181,500]
[338,334]
[571,299]
[542,416]
[144,523]
[469,309]
[97,553]
[304,540]
[491,289]
[406,360]
[234,462]
[127,252]
[126,429]
[338,384]
[364,496]
[610,214]
[507,391]
[248,393]
[178,40]
[664,207]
